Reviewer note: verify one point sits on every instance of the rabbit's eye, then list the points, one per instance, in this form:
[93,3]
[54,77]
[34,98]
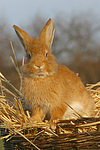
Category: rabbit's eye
[46,54]
[29,56]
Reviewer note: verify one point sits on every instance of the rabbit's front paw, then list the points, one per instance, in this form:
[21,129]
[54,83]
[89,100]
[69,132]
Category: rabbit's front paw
[53,123]
[35,119]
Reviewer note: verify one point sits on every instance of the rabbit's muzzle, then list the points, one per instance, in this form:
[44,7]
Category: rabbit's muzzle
[39,66]
[34,69]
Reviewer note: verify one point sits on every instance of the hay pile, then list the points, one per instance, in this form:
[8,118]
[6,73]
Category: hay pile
[17,129]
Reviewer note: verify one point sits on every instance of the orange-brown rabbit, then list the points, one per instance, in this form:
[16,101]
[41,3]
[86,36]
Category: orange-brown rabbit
[48,86]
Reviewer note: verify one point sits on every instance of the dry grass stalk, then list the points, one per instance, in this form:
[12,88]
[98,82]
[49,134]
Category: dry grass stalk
[15,63]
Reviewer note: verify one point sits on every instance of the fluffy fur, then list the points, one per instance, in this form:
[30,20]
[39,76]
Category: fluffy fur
[48,86]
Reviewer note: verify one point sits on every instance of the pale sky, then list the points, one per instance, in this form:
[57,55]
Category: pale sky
[22,11]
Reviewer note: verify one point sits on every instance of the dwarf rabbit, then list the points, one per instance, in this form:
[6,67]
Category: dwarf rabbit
[50,88]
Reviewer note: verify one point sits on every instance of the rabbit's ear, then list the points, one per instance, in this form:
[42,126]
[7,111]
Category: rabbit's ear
[23,36]
[46,32]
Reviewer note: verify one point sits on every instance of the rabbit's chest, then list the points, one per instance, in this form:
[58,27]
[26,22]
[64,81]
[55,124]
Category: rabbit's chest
[41,92]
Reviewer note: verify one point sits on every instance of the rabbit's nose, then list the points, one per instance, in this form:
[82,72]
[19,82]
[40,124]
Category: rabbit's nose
[39,66]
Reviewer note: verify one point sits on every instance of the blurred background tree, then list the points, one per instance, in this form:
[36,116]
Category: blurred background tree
[76,45]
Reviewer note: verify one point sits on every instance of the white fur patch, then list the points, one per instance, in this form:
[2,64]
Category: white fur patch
[70,113]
